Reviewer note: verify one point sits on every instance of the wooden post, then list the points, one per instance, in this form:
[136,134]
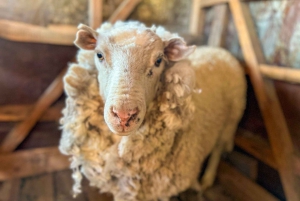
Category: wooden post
[218,29]
[197,18]
[278,133]
[95,13]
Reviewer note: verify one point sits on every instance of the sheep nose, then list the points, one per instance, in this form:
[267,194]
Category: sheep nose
[125,116]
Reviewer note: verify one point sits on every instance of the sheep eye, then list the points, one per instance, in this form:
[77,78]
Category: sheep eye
[100,56]
[158,61]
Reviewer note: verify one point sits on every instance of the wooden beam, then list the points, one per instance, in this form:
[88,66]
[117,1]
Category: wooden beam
[280,73]
[197,18]
[37,188]
[9,190]
[24,32]
[256,146]
[240,187]
[124,10]
[95,13]
[19,132]
[219,26]
[278,133]
[31,162]
[9,113]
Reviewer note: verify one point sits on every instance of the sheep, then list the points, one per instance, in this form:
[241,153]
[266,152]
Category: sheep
[144,110]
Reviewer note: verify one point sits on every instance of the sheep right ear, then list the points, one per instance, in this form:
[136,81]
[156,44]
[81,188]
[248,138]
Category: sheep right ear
[86,38]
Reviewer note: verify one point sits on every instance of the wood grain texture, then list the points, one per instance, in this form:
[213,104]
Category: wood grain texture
[208,3]
[124,10]
[38,188]
[9,190]
[278,133]
[240,187]
[19,132]
[197,18]
[31,162]
[23,32]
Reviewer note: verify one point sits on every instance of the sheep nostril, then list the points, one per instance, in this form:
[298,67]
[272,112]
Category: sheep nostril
[125,115]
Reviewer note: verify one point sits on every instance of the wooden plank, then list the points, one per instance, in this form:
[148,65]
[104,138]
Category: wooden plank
[219,26]
[24,32]
[208,3]
[124,10]
[256,146]
[9,113]
[245,164]
[19,132]
[63,183]
[278,133]
[31,162]
[38,188]
[280,73]
[95,13]
[9,190]
[240,187]
[197,18]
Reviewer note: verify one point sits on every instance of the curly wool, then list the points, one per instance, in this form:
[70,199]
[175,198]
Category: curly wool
[179,130]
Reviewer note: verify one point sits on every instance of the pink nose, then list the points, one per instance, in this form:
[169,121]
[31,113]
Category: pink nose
[125,116]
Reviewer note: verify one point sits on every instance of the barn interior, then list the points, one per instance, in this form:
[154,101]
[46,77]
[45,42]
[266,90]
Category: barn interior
[36,46]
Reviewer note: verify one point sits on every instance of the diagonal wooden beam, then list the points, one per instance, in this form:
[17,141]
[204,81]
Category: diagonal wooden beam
[31,162]
[20,132]
[274,120]
[124,10]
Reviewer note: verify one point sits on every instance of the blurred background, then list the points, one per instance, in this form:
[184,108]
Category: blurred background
[28,65]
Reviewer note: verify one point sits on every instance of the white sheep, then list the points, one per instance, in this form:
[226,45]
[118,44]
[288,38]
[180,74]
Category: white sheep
[144,110]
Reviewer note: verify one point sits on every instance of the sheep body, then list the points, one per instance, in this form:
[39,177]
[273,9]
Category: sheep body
[195,113]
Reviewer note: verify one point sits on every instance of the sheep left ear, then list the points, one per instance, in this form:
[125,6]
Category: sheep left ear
[176,49]
[86,37]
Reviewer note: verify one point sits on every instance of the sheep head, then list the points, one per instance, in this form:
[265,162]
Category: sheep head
[130,59]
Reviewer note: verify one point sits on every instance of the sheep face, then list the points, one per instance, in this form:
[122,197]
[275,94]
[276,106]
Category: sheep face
[130,62]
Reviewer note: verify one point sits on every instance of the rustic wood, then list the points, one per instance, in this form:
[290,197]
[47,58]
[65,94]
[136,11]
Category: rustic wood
[278,133]
[219,26]
[197,18]
[240,187]
[12,113]
[37,188]
[31,162]
[245,164]
[256,146]
[280,73]
[24,32]
[124,10]
[19,132]
[95,13]
[9,190]
[297,164]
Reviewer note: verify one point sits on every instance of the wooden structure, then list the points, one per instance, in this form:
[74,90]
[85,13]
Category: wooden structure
[31,162]
[280,154]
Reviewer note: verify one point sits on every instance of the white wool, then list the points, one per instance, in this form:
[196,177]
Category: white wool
[181,127]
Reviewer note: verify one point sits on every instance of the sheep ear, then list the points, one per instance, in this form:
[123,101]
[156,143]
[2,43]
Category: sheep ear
[176,49]
[86,38]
